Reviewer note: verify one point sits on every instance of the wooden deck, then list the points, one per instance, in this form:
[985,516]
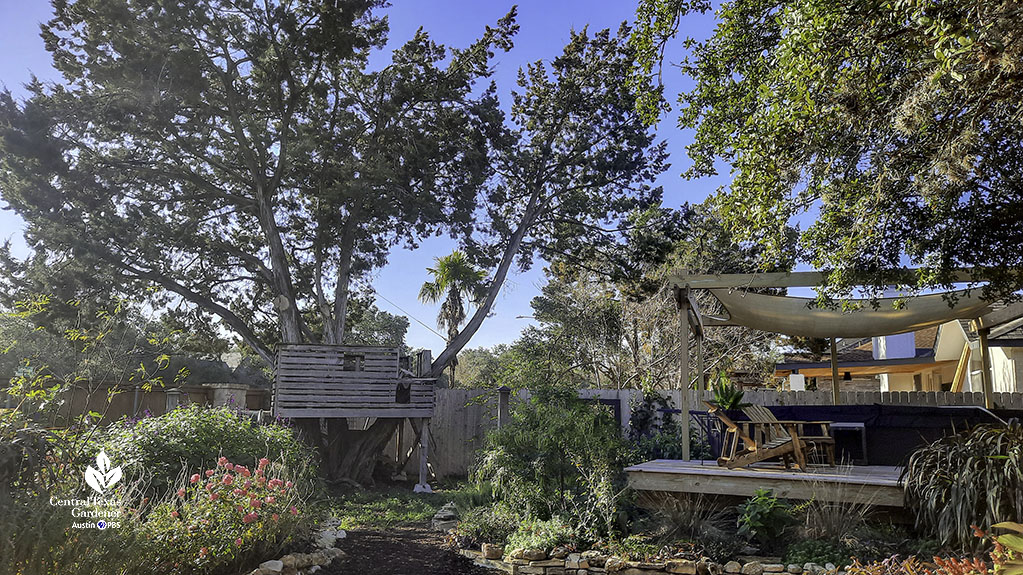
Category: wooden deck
[874,484]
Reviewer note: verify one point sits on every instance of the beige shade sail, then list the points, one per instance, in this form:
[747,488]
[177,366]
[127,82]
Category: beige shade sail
[800,317]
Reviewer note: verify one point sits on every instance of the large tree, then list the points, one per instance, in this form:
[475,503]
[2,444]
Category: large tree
[242,155]
[572,170]
[895,124]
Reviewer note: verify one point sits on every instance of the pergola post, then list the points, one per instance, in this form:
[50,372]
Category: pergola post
[701,378]
[835,398]
[682,300]
[985,374]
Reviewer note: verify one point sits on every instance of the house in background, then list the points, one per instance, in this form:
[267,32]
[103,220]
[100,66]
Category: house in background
[942,358]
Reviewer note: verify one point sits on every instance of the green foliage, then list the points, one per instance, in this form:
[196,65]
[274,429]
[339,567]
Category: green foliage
[227,519]
[558,457]
[545,534]
[819,551]
[634,548]
[974,477]
[764,517]
[384,510]
[890,122]
[656,435]
[487,524]
[727,395]
[193,437]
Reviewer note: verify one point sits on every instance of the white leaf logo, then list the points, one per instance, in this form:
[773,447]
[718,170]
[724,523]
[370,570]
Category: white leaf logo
[102,476]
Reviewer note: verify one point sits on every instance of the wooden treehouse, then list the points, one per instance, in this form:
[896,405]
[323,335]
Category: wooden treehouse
[341,381]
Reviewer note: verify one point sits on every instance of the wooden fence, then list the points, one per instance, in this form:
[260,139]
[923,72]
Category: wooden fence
[462,417]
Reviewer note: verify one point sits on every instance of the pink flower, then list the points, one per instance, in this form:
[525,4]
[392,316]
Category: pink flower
[243,470]
[261,481]
[175,514]
[237,491]
[271,499]
[240,509]
[289,485]
[203,551]
[255,503]
[194,478]
[181,492]
[228,479]
[222,461]
[275,483]
[209,486]
[210,472]
[249,517]
[229,467]
[275,516]
[238,541]
[214,496]
[294,511]
[247,484]
[263,462]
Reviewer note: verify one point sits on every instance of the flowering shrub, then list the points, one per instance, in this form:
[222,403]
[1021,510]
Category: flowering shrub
[193,437]
[221,518]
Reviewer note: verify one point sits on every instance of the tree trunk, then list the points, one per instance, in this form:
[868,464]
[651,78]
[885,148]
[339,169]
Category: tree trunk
[351,454]
[463,337]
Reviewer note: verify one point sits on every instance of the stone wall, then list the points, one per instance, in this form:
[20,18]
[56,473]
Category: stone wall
[562,562]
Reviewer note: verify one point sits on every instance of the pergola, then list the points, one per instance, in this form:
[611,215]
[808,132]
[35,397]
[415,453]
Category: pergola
[797,317]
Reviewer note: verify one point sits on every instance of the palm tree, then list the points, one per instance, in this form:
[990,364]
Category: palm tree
[454,281]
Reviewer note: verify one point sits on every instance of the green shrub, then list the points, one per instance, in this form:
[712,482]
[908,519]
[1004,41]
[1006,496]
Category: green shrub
[194,437]
[224,520]
[970,478]
[764,517]
[559,457]
[544,534]
[818,551]
[655,434]
[491,524]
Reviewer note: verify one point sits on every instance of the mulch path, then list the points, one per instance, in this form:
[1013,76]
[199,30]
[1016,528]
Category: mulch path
[411,550]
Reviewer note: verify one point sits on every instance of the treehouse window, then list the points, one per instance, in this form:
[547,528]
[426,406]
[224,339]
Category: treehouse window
[353,362]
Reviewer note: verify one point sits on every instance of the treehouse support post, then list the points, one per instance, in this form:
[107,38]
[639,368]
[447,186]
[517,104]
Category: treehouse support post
[424,451]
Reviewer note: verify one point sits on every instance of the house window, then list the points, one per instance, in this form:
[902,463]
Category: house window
[353,362]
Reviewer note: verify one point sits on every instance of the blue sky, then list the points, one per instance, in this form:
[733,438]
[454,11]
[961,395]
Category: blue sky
[544,30]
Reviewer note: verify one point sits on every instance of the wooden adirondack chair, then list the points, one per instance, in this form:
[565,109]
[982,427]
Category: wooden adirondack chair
[774,427]
[788,447]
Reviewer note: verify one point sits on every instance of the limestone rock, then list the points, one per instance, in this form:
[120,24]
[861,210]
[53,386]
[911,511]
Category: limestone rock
[594,558]
[576,561]
[753,568]
[733,567]
[559,553]
[272,566]
[794,568]
[491,551]
[774,568]
[681,566]
[615,564]
[516,553]
[830,567]
[534,554]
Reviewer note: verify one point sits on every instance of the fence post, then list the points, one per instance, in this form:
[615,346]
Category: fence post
[503,410]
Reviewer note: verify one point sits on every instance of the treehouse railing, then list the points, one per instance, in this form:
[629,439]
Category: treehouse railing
[348,381]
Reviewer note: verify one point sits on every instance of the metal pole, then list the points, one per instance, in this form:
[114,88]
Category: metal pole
[834,373]
[985,375]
